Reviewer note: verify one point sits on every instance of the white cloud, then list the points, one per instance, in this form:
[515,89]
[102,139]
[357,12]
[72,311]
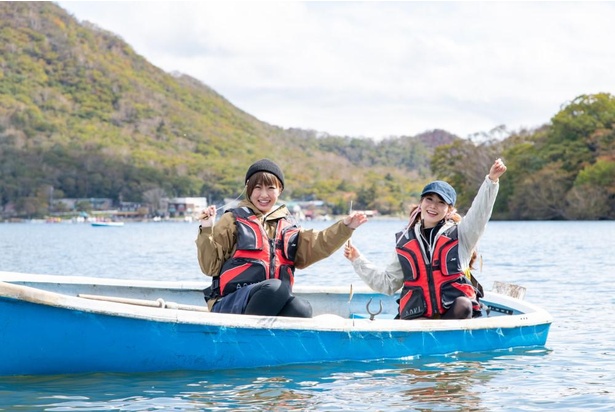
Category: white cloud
[378,68]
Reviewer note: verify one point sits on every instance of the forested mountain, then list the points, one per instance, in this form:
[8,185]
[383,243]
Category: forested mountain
[82,115]
[564,170]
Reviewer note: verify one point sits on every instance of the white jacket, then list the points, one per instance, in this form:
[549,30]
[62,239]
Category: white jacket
[470,230]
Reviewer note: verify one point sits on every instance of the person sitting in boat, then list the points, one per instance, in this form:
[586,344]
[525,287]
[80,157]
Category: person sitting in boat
[433,253]
[253,250]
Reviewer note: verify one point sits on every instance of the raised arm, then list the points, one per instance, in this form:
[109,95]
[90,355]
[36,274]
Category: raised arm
[473,224]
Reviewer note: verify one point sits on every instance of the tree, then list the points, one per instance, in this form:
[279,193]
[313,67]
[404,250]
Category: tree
[464,166]
[541,195]
[583,116]
[587,202]
[153,198]
[366,197]
[577,133]
[593,194]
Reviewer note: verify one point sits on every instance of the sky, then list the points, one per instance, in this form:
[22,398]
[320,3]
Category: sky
[378,69]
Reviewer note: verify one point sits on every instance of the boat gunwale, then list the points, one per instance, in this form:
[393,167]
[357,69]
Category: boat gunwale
[11,288]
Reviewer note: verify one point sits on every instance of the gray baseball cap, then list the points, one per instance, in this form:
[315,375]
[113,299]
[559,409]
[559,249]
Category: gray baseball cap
[442,189]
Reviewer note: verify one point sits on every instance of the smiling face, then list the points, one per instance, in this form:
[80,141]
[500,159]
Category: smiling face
[433,209]
[264,190]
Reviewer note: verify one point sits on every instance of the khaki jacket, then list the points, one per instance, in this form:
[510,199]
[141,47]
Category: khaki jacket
[215,245]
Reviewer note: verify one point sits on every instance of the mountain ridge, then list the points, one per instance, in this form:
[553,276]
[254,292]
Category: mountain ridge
[103,121]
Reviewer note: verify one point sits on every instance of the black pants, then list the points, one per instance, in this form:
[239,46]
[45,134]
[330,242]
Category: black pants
[274,298]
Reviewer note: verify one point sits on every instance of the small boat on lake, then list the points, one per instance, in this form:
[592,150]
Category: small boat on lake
[66,324]
[107,224]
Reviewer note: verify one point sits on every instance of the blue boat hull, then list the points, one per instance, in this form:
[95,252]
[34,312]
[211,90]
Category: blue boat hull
[39,339]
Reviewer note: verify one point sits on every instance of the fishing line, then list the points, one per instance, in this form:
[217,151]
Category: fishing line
[205,215]
[348,242]
[224,206]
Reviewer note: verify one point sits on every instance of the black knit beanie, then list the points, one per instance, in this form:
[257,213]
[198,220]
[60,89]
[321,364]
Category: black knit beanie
[266,165]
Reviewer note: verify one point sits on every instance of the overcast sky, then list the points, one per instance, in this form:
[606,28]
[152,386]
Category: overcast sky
[378,69]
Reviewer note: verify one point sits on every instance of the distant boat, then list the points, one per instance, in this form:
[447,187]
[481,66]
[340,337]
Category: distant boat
[110,224]
[65,324]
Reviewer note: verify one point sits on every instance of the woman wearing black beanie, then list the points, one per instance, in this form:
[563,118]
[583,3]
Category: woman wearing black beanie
[253,250]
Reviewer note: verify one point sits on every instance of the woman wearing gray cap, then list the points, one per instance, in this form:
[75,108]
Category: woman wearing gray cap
[252,252]
[433,254]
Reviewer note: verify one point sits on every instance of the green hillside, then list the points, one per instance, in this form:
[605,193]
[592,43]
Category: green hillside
[81,112]
[83,115]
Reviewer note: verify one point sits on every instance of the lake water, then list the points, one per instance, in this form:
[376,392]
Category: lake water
[567,267]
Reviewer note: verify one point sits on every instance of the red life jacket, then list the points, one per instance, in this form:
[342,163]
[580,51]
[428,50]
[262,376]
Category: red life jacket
[257,257]
[431,287]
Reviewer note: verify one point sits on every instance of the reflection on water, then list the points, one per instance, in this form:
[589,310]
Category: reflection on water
[452,382]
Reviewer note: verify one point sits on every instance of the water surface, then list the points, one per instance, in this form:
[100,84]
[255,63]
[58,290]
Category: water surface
[565,266]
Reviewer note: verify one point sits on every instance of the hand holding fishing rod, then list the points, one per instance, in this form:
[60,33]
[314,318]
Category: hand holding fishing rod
[354,219]
[208,216]
[350,252]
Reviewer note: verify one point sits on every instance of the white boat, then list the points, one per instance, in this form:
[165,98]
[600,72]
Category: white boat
[66,324]
[107,224]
